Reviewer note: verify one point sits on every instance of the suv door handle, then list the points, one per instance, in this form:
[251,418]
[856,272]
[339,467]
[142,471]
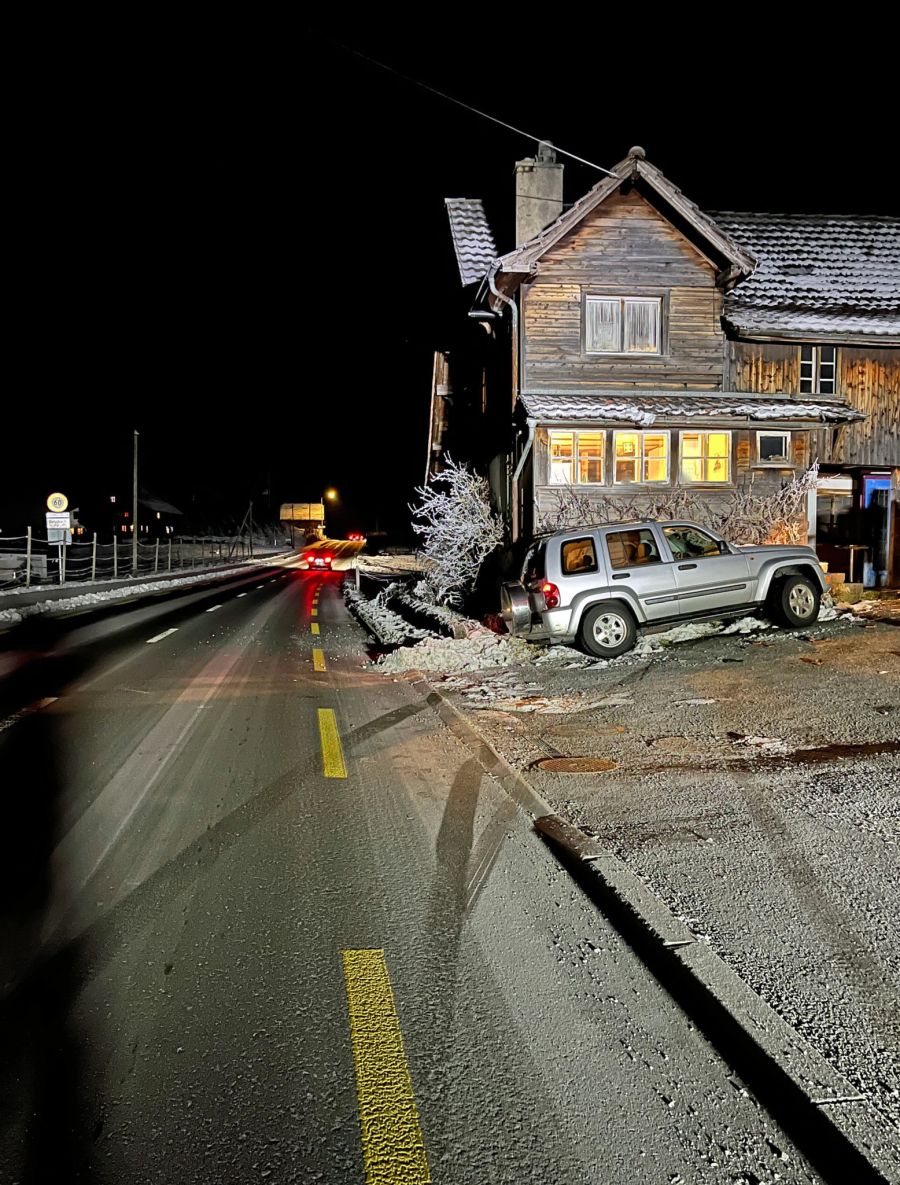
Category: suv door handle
[684,567]
[621,575]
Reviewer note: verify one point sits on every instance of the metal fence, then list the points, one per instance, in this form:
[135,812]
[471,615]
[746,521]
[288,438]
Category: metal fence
[29,560]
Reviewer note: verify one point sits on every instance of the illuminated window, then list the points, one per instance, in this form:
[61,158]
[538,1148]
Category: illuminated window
[621,325]
[641,457]
[818,370]
[773,448]
[705,456]
[577,457]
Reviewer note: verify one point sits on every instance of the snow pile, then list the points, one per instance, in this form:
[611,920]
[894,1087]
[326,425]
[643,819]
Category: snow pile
[479,651]
[86,600]
[387,626]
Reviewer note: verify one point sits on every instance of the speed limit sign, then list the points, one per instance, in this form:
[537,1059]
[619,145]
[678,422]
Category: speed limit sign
[57,503]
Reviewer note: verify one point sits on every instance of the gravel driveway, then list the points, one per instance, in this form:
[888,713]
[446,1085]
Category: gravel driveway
[754,784]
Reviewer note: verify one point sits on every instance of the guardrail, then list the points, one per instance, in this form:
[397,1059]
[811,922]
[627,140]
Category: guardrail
[30,560]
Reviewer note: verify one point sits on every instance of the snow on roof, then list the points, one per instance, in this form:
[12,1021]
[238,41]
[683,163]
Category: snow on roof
[651,407]
[819,274]
[473,241]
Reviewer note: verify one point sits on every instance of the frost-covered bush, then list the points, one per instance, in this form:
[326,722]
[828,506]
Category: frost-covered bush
[741,517]
[458,529]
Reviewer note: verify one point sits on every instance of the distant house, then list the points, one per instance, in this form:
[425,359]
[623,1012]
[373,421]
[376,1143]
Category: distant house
[632,346]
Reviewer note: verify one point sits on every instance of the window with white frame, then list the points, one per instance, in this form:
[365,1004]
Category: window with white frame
[773,448]
[640,457]
[818,370]
[577,458]
[705,457]
[622,325]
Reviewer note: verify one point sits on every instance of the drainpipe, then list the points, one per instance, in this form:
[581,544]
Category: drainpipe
[514,313]
[532,425]
[514,310]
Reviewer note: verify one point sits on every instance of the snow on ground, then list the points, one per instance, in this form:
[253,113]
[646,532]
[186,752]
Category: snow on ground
[480,651]
[483,650]
[388,627]
[11,616]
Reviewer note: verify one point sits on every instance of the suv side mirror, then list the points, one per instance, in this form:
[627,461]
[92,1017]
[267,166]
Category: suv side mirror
[724,547]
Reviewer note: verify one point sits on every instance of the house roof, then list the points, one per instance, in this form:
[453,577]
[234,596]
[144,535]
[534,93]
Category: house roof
[473,241]
[635,167]
[158,505]
[646,408]
[816,275]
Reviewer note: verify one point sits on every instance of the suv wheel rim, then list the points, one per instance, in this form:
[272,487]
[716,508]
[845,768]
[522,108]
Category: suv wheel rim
[801,600]
[609,630]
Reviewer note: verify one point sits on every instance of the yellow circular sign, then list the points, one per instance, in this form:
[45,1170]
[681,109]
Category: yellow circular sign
[57,502]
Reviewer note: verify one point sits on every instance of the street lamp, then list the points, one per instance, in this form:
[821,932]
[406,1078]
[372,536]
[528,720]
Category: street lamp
[329,495]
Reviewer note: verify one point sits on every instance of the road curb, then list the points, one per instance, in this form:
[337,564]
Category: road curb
[836,1126]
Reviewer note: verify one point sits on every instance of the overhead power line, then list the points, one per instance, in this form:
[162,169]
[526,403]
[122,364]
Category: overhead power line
[467,107]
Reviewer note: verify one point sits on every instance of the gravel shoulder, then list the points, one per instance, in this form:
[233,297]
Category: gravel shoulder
[753,783]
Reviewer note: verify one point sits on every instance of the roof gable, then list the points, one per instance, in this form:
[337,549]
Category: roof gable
[637,170]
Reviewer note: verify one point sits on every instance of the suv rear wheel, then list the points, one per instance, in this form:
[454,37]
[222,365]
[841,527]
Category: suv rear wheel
[607,631]
[795,601]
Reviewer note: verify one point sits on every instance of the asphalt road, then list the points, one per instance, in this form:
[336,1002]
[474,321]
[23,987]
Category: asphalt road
[264,918]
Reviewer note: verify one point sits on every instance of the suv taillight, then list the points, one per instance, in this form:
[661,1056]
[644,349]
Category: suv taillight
[551,595]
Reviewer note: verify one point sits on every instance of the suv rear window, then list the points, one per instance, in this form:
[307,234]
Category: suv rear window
[578,555]
[534,567]
[627,548]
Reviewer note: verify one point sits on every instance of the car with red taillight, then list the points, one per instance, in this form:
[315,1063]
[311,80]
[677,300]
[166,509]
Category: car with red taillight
[319,560]
[600,585]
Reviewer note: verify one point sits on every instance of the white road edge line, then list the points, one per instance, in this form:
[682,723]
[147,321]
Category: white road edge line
[241,595]
[165,634]
[214,608]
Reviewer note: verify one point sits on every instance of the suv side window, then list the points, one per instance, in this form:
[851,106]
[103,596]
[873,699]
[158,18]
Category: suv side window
[578,555]
[627,548]
[688,542]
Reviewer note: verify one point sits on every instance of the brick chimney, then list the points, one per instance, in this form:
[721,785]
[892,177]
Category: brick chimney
[539,192]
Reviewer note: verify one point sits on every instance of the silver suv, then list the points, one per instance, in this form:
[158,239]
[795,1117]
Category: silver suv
[600,585]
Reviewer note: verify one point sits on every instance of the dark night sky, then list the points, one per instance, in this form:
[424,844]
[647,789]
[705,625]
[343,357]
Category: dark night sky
[234,237]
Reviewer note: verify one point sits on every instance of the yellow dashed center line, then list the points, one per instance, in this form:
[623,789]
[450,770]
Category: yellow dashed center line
[314,627]
[332,753]
[393,1148]
[318,660]
[314,611]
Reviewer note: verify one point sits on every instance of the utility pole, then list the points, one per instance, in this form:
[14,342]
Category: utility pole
[134,511]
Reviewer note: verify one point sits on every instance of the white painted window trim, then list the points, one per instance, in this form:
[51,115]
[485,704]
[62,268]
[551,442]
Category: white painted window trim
[706,482]
[759,463]
[641,433]
[816,378]
[623,300]
[576,435]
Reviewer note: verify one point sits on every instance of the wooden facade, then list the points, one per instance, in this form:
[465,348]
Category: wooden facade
[624,247]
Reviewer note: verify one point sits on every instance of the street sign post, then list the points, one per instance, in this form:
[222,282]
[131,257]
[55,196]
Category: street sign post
[59,526]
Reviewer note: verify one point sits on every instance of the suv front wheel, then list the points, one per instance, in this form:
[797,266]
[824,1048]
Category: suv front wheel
[607,631]
[795,601]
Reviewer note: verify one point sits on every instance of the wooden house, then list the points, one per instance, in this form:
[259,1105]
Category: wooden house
[634,350]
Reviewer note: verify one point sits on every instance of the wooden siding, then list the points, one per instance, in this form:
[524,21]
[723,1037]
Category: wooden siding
[870,382]
[763,368]
[624,247]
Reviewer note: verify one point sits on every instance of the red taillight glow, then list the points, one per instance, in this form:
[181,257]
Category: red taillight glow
[309,558]
[327,559]
[551,595]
